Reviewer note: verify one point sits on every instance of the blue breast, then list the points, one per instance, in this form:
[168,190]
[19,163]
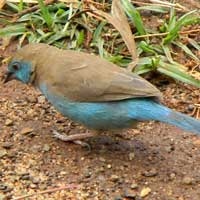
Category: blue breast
[99,116]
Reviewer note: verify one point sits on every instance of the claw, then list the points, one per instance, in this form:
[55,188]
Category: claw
[76,139]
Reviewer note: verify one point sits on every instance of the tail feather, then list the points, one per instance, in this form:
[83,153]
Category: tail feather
[151,110]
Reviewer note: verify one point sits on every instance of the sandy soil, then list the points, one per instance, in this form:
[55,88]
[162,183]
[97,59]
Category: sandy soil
[155,161]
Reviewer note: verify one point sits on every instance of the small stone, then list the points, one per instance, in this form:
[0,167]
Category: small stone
[109,166]
[2,197]
[41,99]
[172,176]
[145,191]
[3,153]
[196,142]
[190,107]
[87,174]
[35,180]
[62,173]
[131,156]
[8,189]
[150,173]
[188,181]
[33,186]
[118,197]
[114,178]
[46,148]
[25,177]
[169,148]
[129,194]
[31,99]
[102,159]
[7,145]
[3,187]
[8,122]
[26,131]
[134,186]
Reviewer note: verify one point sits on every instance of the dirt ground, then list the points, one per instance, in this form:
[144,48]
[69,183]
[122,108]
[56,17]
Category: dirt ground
[153,162]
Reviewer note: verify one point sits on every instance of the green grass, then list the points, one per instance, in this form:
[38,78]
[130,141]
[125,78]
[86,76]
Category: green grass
[69,27]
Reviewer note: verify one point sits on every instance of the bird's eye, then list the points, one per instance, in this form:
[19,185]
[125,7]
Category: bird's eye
[16,66]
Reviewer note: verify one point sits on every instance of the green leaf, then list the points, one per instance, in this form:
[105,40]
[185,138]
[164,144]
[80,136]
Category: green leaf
[146,47]
[174,72]
[13,30]
[134,16]
[45,13]
[98,31]
[175,27]
[20,6]
[186,50]
[80,37]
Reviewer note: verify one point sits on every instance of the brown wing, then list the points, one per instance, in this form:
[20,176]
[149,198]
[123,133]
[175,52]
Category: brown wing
[91,79]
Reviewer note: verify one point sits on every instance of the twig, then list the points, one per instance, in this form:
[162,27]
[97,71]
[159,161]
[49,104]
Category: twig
[163,34]
[36,2]
[161,5]
[45,192]
[169,4]
[34,8]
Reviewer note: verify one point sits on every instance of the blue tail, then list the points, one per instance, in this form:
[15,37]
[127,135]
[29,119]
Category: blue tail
[148,109]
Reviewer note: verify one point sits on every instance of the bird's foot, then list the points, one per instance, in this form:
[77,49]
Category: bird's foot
[74,138]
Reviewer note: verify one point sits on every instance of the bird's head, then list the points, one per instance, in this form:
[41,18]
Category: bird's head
[20,70]
[22,65]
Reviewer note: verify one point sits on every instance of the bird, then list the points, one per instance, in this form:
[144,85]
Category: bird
[92,91]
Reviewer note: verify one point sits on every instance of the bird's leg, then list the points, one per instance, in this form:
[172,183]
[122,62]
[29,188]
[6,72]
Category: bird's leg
[76,138]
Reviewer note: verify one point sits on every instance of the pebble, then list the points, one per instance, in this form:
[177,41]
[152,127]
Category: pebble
[33,186]
[150,173]
[129,194]
[114,178]
[109,166]
[41,99]
[3,187]
[102,159]
[8,122]
[134,186]
[118,197]
[31,99]
[172,176]
[187,180]
[2,197]
[131,156]
[3,153]
[87,174]
[190,107]
[46,148]
[145,191]
[25,177]
[7,145]
[26,130]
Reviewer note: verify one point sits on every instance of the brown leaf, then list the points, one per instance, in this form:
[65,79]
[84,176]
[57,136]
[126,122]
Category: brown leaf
[119,20]
[2,3]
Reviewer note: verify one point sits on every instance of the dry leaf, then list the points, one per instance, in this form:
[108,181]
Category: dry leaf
[2,3]
[119,20]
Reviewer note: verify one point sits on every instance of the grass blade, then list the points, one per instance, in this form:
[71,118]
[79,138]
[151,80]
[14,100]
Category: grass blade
[45,13]
[174,28]
[186,50]
[13,30]
[194,43]
[170,70]
[153,8]
[134,16]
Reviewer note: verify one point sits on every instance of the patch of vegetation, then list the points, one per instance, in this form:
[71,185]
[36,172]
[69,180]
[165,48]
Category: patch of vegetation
[77,26]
